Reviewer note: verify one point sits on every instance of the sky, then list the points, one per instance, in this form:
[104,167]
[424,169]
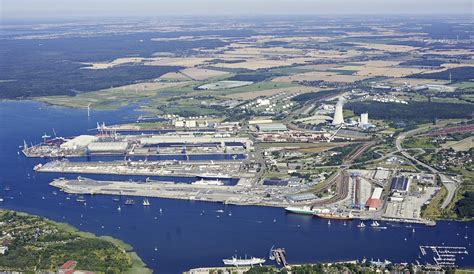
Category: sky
[34,9]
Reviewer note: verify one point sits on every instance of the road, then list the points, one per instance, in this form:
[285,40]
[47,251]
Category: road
[448,184]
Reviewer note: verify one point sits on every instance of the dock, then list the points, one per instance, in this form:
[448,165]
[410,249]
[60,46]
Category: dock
[279,255]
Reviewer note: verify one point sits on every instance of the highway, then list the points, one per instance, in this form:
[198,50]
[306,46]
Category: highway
[449,185]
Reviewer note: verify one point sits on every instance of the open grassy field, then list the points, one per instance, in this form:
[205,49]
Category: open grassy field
[201,74]
[320,76]
[386,47]
[463,145]
[256,87]
[152,61]
[113,97]
[433,210]
[464,85]
[415,81]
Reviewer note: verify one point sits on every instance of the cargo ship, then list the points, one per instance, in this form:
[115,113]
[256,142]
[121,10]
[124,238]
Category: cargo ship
[307,210]
[243,262]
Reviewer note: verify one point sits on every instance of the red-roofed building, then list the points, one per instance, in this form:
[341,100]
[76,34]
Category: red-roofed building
[69,265]
[373,204]
[68,268]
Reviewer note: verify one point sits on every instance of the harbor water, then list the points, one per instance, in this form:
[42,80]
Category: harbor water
[174,235]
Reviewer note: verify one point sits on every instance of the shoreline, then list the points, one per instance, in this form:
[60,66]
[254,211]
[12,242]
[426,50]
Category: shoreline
[137,264]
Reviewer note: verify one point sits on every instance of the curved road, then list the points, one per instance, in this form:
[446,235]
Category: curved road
[450,185]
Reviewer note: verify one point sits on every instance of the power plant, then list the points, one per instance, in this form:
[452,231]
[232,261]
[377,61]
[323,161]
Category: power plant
[338,116]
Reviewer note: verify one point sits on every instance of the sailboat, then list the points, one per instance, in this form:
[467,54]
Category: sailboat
[146,202]
[374,224]
[361,225]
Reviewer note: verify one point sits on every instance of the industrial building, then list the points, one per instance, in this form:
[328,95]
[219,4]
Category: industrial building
[400,184]
[107,147]
[260,121]
[294,198]
[375,201]
[186,139]
[271,127]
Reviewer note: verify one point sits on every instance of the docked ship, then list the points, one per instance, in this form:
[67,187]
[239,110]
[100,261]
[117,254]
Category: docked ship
[307,210]
[243,262]
[216,182]
[220,176]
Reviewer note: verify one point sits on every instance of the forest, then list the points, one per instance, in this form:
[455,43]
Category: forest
[414,111]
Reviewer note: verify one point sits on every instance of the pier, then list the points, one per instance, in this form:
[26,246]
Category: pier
[279,255]
[444,255]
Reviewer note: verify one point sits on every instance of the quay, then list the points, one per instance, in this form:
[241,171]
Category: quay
[231,168]
[240,194]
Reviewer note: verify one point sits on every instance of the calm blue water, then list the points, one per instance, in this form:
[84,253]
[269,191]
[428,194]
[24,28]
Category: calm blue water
[183,237]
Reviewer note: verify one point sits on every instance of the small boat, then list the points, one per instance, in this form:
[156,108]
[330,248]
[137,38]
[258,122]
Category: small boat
[119,208]
[156,248]
[80,199]
[146,202]
[413,230]
[374,224]
[116,199]
[55,193]
[361,225]
[329,222]
[220,211]
[129,202]
[1,200]
[230,214]
[7,188]
[345,224]
[161,210]
[68,198]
